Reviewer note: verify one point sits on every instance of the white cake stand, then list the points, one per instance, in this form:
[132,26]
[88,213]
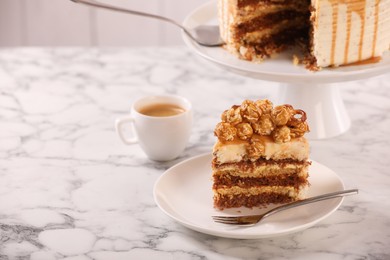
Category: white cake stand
[315,92]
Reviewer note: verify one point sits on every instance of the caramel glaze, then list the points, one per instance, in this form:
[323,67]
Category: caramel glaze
[376,27]
[364,62]
[358,7]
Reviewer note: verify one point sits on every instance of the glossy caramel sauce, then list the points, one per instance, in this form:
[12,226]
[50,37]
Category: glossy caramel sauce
[376,26]
[365,62]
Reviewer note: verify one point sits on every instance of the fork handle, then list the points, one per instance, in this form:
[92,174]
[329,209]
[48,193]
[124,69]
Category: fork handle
[312,200]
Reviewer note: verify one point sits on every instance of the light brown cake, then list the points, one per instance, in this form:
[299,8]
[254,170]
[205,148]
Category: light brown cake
[261,155]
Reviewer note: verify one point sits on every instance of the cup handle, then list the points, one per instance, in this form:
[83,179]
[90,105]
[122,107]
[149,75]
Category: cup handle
[119,125]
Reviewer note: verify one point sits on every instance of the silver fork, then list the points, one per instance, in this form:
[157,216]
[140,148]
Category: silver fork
[253,219]
[205,35]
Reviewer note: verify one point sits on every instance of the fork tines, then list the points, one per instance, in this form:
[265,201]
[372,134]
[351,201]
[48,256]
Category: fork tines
[242,220]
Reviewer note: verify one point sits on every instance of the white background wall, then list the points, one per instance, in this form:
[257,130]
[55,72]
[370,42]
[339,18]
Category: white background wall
[64,23]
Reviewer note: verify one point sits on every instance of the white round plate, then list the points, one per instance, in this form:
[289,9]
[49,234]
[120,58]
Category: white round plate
[184,192]
[281,68]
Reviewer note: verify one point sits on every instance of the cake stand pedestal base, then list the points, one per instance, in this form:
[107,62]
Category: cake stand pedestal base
[324,107]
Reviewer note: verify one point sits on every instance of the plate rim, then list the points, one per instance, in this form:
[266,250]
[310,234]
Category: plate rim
[230,234]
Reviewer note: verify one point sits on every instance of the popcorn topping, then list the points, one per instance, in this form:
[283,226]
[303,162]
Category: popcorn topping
[265,105]
[225,131]
[244,131]
[265,125]
[250,111]
[282,134]
[232,116]
[282,123]
[282,114]
[255,150]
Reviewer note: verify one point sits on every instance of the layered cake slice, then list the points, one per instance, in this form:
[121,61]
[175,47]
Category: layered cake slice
[261,155]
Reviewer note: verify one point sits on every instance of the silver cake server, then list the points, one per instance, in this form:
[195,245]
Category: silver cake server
[205,35]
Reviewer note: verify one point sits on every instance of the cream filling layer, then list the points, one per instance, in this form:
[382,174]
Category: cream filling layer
[253,191]
[263,171]
[296,149]
[256,36]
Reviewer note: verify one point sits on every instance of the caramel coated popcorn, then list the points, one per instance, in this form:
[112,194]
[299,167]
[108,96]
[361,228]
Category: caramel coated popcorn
[244,131]
[250,111]
[282,114]
[282,134]
[260,118]
[255,150]
[265,105]
[232,116]
[225,131]
[265,125]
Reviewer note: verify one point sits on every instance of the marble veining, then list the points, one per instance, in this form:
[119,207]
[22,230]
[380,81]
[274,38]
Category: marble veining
[69,189]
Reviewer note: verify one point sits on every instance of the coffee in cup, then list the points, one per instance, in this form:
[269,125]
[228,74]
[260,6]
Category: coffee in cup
[161,110]
[161,126]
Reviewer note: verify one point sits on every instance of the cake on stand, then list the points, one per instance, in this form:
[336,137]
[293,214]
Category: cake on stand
[317,93]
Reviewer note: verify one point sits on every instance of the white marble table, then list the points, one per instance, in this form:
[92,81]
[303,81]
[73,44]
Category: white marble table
[69,189]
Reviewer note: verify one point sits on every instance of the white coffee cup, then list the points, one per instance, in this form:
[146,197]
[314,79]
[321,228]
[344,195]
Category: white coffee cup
[161,125]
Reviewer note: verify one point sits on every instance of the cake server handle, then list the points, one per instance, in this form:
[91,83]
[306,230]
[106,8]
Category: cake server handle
[205,35]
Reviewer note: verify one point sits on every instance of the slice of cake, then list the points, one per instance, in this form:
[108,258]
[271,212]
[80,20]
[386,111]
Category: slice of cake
[261,155]
[330,32]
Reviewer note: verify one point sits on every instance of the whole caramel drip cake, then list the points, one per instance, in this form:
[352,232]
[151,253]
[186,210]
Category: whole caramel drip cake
[261,155]
[330,32]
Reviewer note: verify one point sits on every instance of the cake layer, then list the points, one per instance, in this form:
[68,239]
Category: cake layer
[221,202]
[256,170]
[258,190]
[244,16]
[261,168]
[270,45]
[277,35]
[271,20]
[228,180]
[238,150]
[257,3]
[255,197]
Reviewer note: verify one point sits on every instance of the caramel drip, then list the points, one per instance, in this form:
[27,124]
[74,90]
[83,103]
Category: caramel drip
[353,6]
[335,13]
[371,60]
[375,27]
[358,7]
[362,28]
